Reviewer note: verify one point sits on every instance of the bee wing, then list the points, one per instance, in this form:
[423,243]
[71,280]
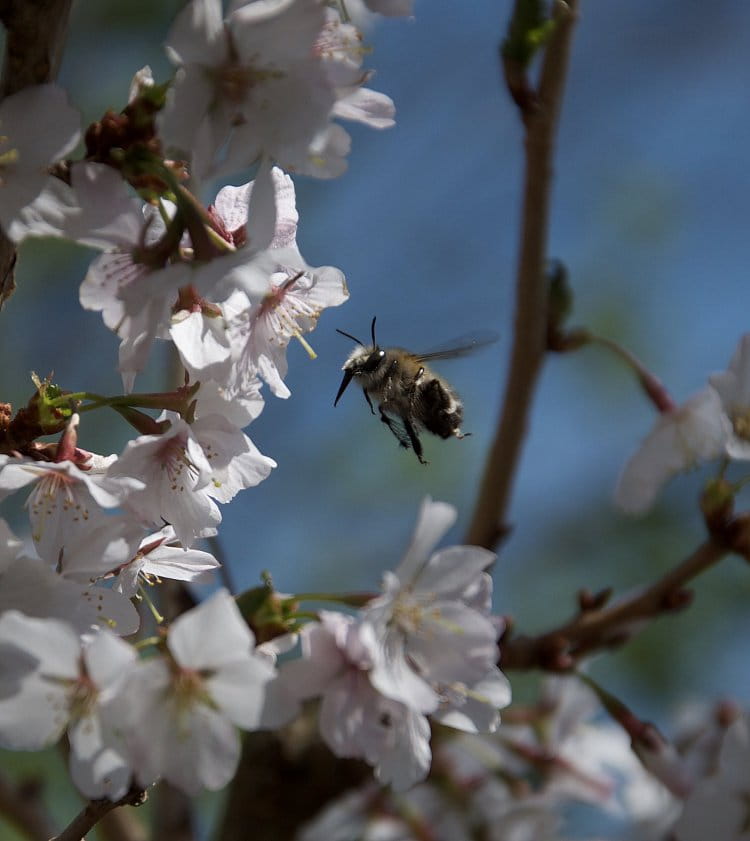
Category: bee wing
[462,346]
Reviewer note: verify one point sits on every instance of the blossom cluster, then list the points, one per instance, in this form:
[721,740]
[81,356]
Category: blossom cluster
[520,782]
[258,85]
[426,647]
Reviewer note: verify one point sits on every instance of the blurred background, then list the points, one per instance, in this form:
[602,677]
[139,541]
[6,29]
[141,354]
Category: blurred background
[650,215]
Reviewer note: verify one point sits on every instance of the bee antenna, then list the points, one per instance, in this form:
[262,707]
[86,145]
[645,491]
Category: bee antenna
[372,329]
[349,336]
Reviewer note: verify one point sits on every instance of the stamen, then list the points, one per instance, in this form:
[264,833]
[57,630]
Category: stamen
[305,344]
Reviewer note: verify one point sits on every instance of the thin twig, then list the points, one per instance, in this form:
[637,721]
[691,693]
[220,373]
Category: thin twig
[560,648]
[488,523]
[94,811]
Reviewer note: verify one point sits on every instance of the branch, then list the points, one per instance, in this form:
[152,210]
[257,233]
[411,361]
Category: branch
[530,328]
[35,35]
[94,811]
[559,649]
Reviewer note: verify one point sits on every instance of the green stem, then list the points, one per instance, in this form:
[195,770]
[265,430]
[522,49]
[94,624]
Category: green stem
[351,599]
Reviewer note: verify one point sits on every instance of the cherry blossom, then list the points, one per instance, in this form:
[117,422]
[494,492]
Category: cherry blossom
[158,557]
[432,640]
[176,474]
[288,306]
[38,127]
[258,82]
[718,806]
[355,719]
[32,586]
[733,387]
[66,504]
[51,682]
[681,439]
[184,707]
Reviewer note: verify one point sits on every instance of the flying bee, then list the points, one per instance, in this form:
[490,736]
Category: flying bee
[409,395]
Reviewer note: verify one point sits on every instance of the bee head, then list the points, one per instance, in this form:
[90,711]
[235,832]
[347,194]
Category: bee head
[365,359]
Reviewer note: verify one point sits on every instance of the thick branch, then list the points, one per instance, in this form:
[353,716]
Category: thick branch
[541,119]
[560,648]
[35,35]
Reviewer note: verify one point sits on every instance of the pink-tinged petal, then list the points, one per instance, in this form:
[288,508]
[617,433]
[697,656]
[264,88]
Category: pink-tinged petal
[239,690]
[10,547]
[211,634]
[433,521]
[197,34]
[105,608]
[733,384]
[237,405]
[38,660]
[108,658]
[39,127]
[54,644]
[454,643]
[202,343]
[734,759]
[478,711]
[105,774]
[179,564]
[452,570]
[367,106]
[85,735]
[394,676]
[408,760]
[322,660]
[35,717]
[348,710]
[276,32]
[16,473]
[41,122]
[231,205]
[183,123]
[261,224]
[236,462]
[694,433]
[207,757]
[34,588]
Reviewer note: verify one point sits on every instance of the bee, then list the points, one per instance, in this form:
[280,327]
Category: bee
[409,395]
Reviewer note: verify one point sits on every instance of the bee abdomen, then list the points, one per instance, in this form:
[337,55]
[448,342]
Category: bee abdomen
[442,411]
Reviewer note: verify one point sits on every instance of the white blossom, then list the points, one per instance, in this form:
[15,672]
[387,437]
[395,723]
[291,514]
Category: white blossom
[355,719]
[38,127]
[719,805]
[259,84]
[50,682]
[66,503]
[434,644]
[184,708]
[681,439]
[158,557]
[733,387]
[176,474]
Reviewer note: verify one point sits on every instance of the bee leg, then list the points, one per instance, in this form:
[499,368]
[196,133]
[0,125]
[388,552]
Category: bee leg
[397,431]
[367,398]
[414,438]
